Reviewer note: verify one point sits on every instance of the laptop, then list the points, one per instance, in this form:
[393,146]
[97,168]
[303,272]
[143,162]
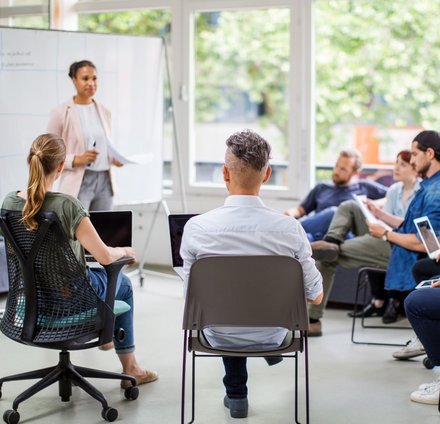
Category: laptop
[176,223]
[427,236]
[114,228]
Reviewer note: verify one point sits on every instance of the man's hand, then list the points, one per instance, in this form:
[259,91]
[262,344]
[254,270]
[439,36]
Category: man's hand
[436,284]
[377,230]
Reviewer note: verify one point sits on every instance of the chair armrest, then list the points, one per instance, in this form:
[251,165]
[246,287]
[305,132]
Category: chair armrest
[112,271]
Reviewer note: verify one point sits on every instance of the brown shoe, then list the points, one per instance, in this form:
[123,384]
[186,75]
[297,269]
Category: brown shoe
[324,250]
[146,377]
[315,329]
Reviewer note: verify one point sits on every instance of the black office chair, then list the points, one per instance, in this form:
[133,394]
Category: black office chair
[362,297]
[246,291]
[52,305]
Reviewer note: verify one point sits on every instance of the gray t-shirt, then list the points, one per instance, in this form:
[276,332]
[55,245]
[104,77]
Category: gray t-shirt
[69,210]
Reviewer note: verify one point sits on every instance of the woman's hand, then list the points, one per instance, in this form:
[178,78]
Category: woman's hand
[117,163]
[130,252]
[87,158]
[376,211]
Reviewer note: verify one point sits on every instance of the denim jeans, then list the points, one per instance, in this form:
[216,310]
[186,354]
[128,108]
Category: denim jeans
[422,308]
[124,291]
[236,376]
[316,225]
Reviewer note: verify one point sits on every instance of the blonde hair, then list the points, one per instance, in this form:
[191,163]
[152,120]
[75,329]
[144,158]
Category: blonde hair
[47,152]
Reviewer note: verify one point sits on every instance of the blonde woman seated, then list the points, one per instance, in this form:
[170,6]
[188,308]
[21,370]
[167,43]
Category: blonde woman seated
[46,162]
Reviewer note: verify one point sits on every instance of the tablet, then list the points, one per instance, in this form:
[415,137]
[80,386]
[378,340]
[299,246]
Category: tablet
[427,236]
[426,283]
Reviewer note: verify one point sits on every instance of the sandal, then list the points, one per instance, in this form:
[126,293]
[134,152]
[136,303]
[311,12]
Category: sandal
[146,377]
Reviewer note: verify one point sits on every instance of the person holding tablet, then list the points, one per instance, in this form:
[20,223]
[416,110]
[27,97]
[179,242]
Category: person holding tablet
[46,160]
[85,125]
[402,248]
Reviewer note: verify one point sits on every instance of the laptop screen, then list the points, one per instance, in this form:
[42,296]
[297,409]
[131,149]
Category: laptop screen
[176,224]
[114,227]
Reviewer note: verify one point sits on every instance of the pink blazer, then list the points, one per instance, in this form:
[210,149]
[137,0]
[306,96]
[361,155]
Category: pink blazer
[64,121]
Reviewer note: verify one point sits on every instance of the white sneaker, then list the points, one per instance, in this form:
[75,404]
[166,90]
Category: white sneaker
[429,395]
[426,385]
[412,349]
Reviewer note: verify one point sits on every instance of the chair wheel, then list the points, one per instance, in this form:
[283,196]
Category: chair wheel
[427,363]
[131,393]
[109,414]
[11,417]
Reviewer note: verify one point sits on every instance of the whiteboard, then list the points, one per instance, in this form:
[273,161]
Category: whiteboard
[33,80]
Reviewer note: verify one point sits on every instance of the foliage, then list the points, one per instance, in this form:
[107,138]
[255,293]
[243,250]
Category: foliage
[376,61]
[138,22]
[243,51]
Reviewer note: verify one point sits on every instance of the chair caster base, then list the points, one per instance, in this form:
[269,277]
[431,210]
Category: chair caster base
[11,417]
[109,414]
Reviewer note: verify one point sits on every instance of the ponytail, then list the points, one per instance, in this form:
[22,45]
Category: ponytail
[46,154]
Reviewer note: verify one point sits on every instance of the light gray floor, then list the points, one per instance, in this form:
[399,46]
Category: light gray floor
[349,383]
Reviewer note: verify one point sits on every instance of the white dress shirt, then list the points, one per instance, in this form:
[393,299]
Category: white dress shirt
[245,226]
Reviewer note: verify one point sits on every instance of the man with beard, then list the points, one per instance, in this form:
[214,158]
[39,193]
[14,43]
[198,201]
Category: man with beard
[405,247]
[324,198]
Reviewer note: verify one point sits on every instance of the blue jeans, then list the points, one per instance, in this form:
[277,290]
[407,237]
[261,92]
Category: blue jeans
[316,226]
[236,376]
[422,308]
[124,291]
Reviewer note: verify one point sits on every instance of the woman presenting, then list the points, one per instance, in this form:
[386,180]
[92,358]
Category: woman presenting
[85,125]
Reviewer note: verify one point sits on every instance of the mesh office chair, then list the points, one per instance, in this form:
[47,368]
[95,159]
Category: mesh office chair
[245,291]
[52,305]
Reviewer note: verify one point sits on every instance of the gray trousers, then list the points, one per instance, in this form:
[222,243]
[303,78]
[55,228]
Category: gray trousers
[362,250]
[96,192]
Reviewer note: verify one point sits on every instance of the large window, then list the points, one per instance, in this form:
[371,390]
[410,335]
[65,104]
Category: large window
[241,71]
[155,22]
[25,13]
[376,75]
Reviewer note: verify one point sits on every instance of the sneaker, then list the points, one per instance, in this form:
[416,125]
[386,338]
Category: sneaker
[426,385]
[315,329]
[412,349]
[429,395]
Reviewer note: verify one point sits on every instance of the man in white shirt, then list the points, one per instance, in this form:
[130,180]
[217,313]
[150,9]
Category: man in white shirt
[245,226]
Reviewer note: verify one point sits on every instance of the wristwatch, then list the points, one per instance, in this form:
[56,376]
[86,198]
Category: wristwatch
[385,236]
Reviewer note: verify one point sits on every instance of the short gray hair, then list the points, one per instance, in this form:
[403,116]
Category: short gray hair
[250,148]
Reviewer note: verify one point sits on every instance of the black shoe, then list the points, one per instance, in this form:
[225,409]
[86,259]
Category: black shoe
[324,251]
[391,312]
[369,311]
[238,408]
[273,360]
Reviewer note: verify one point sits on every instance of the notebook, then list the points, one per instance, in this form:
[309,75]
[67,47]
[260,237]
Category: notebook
[114,228]
[427,236]
[364,208]
[176,224]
